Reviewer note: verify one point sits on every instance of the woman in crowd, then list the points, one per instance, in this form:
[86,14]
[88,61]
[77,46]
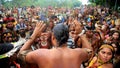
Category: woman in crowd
[104,57]
[115,36]
[116,60]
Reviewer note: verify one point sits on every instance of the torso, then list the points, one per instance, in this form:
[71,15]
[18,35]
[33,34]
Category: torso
[58,58]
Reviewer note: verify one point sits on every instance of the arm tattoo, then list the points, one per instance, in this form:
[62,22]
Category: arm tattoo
[22,56]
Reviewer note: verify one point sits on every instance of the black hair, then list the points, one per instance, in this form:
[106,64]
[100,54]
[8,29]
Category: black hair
[22,33]
[117,46]
[61,33]
[114,31]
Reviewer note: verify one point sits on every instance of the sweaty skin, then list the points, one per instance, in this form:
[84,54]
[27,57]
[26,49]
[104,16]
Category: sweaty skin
[58,57]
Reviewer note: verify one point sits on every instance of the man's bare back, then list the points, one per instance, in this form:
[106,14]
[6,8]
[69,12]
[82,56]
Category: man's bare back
[58,57]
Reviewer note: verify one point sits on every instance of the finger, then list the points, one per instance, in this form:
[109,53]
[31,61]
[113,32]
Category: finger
[43,27]
[39,24]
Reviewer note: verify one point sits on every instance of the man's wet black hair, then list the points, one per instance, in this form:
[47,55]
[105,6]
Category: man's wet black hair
[61,33]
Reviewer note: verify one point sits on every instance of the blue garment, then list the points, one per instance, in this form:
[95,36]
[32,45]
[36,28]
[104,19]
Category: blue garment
[20,26]
[88,20]
[5,47]
[70,43]
[63,20]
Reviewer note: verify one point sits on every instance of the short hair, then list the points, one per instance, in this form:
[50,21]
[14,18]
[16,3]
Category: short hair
[61,33]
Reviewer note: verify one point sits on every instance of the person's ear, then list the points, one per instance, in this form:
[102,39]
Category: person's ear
[53,40]
[52,37]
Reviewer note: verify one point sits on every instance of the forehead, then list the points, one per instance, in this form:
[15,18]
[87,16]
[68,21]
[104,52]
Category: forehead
[114,45]
[45,34]
[106,50]
[116,33]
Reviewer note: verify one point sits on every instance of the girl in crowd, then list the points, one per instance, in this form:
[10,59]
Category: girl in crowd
[116,36]
[104,57]
[116,60]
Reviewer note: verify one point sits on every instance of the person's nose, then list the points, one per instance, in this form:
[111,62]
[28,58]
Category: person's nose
[105,55]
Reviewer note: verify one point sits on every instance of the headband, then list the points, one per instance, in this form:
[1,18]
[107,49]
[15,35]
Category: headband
[107,46]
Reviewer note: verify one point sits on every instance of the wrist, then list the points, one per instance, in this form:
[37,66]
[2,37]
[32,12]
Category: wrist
[32,37]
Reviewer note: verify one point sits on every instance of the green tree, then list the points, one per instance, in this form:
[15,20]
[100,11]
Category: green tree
[109,3]
[42,3]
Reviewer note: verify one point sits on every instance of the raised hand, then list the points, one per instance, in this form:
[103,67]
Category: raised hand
[37,31]
[40,27]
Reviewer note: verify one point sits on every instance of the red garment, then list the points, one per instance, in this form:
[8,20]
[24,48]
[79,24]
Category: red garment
[5,20]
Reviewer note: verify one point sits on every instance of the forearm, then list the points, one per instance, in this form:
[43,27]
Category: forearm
[28,43]
[86,43]
[37,31]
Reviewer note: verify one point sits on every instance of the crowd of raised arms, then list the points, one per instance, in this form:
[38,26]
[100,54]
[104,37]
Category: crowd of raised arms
[82,37]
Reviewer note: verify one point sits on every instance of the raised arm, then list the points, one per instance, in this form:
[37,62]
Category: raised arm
[86,48]
[37,31]
[85,42]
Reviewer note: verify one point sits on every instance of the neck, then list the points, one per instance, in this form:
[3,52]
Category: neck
[63,45]
[100,61]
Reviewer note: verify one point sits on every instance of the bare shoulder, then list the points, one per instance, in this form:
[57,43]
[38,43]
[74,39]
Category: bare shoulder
[31,56]
[83,50]
[82,53]
[41,50]
[77,49]
[109,65]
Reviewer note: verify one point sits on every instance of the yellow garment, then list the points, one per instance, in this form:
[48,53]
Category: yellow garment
[95,60]
[113,22]
[4,25]
[15,22]
[91,64]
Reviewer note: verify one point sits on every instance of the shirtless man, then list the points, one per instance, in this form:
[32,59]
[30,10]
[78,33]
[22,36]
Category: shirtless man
[60,56]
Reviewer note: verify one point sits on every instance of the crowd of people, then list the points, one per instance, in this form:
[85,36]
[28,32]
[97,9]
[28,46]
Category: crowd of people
[80,37]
